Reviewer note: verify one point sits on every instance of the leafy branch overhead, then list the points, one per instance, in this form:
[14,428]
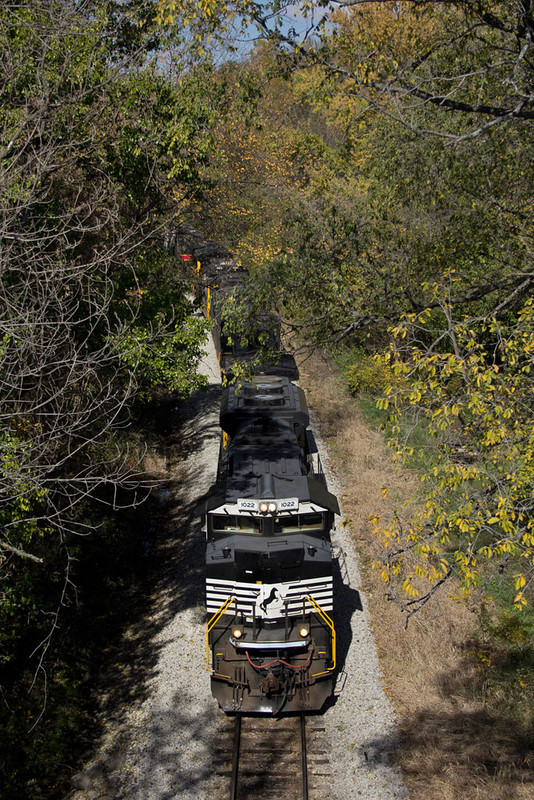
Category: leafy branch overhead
[471,58]
[474,394]
[397,207]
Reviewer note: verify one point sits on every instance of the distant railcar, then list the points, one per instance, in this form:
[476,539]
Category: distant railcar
[259,349]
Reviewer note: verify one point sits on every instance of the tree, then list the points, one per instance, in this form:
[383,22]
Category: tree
[99,147]
[417,220]
[468,57]
[469,381]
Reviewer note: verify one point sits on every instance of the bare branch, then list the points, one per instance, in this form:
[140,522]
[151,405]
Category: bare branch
[21,553]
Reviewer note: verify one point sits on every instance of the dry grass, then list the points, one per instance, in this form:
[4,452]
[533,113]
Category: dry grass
[456,743]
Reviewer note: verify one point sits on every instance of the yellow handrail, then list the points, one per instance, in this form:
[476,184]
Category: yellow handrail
[211,622]
[330,624]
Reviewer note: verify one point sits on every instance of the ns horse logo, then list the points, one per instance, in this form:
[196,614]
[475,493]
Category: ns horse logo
[270,601]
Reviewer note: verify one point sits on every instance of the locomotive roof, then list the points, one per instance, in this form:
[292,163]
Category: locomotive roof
[266,445]
[183,238]
[209,250]
[267,462]
[307,489]
[225,272]
[266,396]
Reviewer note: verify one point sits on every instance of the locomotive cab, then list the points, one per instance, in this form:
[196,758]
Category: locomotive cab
[269,599]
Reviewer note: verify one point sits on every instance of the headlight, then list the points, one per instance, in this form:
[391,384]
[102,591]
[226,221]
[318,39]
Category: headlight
[304,631]
[267,507]
[237,633]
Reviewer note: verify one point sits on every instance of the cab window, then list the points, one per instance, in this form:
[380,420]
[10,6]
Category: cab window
[235,523]
[296,523]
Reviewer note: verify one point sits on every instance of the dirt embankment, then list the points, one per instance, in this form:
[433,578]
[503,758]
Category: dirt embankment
[455,744]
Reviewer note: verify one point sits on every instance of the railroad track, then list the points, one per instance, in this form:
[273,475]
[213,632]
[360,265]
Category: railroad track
[276,758]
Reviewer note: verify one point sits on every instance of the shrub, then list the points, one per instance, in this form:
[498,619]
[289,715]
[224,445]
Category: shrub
[368,375]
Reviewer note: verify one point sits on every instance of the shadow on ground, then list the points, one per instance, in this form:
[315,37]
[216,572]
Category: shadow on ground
[170,771]
[462,748]
[171,520]
[347,601]
[164,546]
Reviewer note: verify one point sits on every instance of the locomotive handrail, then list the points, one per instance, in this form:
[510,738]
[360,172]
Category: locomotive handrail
[211,623]
[330,624]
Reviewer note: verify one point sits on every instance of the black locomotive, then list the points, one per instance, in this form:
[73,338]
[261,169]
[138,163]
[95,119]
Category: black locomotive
[270,637]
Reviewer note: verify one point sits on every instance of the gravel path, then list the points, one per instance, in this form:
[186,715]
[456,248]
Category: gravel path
[157,745]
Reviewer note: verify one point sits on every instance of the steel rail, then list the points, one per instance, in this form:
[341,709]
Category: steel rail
[234,783]
[235,758]
[304,758]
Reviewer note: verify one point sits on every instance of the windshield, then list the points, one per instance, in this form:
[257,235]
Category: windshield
[235,523]
[296,523]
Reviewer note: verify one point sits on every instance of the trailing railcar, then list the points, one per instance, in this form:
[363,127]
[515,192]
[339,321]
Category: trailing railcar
[260,349]
[269,596]
[217,276]
[182,240]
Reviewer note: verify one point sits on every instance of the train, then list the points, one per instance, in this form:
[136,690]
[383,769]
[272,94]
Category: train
[270,633]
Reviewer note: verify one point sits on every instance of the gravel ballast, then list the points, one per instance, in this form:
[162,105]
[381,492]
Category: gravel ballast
[159,744]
